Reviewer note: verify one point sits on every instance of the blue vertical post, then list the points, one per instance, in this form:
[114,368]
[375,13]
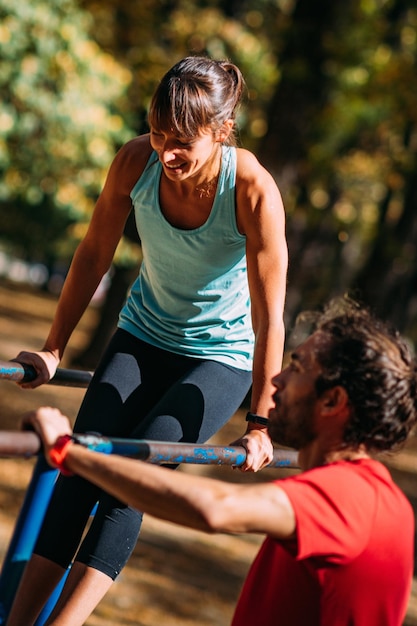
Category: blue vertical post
[25,533]
[52,600]
[36,501]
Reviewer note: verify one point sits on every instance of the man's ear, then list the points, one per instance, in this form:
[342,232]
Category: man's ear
[334,400]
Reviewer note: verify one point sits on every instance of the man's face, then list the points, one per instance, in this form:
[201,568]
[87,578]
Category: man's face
[292,420]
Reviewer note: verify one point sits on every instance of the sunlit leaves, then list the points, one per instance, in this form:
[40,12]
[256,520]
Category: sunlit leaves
[59,119]
[371,110]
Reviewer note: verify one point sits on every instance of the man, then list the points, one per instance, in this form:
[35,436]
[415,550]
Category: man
[339,546]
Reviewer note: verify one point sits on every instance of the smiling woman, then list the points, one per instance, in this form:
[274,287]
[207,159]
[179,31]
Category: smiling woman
[190,170]
[201,323]
[192,114]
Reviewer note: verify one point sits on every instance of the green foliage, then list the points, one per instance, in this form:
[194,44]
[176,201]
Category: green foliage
[60,121]
[75,83]
[368,127]
[350,193]
[331,111]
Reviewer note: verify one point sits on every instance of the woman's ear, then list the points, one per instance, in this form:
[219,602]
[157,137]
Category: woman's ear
[225,130]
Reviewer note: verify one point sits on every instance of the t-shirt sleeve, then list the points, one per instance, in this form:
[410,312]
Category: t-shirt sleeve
[334,510]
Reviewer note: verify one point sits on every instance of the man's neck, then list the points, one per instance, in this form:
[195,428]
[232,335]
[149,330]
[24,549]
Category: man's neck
[313,456]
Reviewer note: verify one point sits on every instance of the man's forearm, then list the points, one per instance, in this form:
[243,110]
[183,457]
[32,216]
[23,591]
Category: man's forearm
[149,488]
[196,502]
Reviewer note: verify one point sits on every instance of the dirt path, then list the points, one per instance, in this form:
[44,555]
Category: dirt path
[175,577]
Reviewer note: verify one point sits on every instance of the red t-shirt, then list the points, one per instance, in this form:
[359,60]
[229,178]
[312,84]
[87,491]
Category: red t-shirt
[352,561]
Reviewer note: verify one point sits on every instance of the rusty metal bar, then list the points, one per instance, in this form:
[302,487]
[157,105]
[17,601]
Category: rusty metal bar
[20,444]
[26,444]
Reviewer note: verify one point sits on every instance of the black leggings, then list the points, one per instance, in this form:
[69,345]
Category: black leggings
[141,392]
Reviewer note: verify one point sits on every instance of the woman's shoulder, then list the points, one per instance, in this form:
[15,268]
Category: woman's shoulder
[136,150]
[249,169]
[130,161]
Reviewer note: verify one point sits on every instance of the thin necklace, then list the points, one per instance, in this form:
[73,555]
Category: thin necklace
[208,189]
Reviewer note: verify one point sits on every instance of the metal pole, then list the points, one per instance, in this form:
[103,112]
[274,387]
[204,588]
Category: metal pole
[19,372]
[26,532]
[38,493]
[157,452]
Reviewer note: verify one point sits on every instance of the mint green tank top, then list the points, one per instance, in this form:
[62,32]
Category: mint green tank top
[191,296]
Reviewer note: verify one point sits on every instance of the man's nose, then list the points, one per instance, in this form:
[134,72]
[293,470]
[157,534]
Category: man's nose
[279,380]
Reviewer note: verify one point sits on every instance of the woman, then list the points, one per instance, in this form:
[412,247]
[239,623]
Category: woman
[202,322]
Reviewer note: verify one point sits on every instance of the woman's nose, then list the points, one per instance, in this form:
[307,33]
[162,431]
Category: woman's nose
[167,147]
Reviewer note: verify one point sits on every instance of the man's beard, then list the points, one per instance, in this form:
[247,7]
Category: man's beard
[296,431]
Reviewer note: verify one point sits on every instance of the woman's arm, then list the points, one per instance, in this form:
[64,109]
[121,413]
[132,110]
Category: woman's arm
[92,258]
[261,218]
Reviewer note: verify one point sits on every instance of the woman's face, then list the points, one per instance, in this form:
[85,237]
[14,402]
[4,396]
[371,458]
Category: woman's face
[184,157]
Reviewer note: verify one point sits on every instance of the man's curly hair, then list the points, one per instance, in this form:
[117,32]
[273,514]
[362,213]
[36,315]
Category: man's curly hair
[374,364]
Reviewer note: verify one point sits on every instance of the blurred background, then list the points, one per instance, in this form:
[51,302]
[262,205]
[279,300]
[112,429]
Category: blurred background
[330,110]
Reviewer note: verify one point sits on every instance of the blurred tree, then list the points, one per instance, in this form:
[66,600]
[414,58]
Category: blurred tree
[149,37]
[372,140]
[331,112]
[294,114]
[61,119]
[388,276]
[341,142]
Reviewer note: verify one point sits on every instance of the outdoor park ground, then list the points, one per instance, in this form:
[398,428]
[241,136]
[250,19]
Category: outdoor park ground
[175,577]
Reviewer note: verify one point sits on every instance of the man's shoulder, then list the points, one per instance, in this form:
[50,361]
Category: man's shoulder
[359,466]
[363,478]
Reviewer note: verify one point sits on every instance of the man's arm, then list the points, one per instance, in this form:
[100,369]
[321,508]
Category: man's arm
[200,503]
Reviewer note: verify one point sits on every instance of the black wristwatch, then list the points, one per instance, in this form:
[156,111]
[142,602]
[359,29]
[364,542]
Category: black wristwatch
[256,419]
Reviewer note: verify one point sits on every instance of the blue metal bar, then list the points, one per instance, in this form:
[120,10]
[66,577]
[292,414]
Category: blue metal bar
[26,532]
[164,452]
[158,452]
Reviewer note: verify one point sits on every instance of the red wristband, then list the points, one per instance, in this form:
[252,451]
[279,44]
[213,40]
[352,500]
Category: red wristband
[58,453]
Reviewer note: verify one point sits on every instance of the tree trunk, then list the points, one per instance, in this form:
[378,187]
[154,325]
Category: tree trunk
[121,280]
